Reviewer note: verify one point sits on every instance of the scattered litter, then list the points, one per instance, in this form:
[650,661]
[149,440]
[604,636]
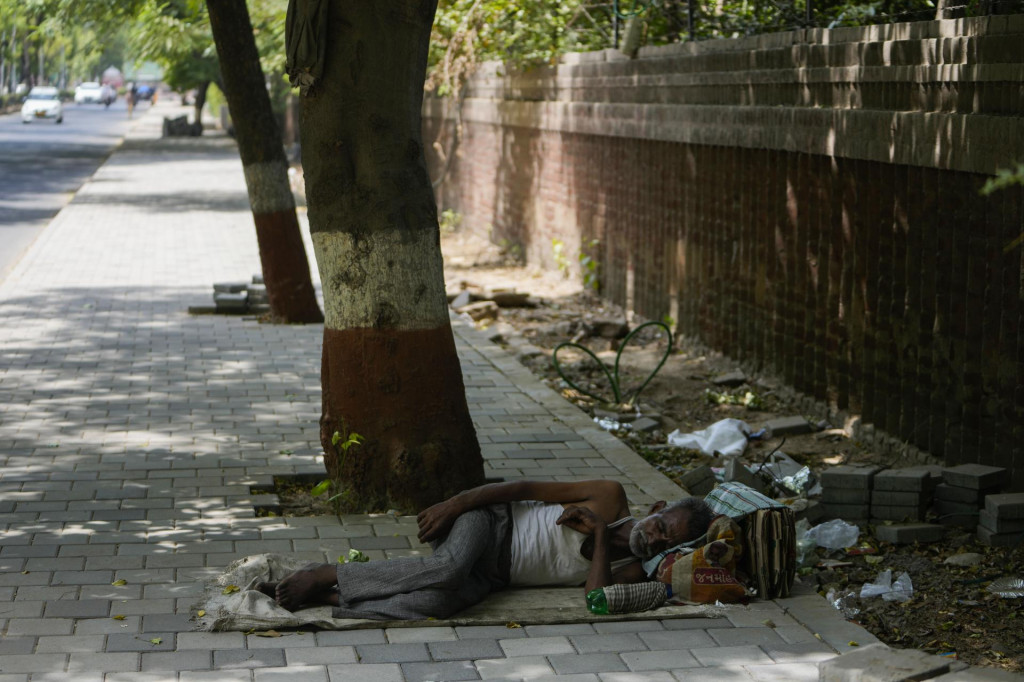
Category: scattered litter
[884,587]
[834,534]
[805,555]
[844,602]
[1011,588]
[611,424]
[727,437]
[964,559]
[833,563]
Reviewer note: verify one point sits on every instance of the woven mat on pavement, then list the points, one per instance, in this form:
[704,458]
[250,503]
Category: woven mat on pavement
[243,609]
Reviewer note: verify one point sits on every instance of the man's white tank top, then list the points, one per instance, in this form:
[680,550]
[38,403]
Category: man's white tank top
[547,554]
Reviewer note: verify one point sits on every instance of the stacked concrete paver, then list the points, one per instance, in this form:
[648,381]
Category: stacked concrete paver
[131,434]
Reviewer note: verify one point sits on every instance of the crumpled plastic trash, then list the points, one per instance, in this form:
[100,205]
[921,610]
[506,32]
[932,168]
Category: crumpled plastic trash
[1010,588]
[843,602]
[789,475]
[834,534]
[805,555]
[728,437]
[901,590]
[612,425]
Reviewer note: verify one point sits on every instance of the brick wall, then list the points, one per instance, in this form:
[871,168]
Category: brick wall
[805,202]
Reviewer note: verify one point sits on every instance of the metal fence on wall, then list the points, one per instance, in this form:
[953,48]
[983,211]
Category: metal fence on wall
[628,23]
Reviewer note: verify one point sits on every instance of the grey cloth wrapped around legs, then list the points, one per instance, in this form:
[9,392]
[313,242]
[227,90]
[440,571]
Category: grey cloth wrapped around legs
[467,565]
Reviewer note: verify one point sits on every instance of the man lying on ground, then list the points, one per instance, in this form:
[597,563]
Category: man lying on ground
[517,533]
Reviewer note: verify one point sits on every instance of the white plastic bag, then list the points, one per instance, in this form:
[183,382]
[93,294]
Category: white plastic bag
[728,437]
[834,534]
[901,590]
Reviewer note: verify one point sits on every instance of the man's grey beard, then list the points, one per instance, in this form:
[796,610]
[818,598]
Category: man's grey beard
[638,543]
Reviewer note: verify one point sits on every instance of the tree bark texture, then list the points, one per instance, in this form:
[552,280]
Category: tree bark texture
[282,253]
[390,370]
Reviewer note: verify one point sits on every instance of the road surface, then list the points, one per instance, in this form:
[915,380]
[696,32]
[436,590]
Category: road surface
[42,165]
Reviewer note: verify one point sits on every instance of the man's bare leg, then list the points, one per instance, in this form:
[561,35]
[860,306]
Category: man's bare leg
[313,586]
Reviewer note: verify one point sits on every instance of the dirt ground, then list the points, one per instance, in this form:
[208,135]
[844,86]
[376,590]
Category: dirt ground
[951,612]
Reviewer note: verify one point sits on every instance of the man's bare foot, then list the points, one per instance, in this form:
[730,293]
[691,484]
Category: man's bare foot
[269,589]
[307,586]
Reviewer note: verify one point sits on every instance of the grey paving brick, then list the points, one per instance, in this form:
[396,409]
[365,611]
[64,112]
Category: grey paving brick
[177,660]
[35,663]
[169,676]
[392,653]
[536,646]
[245,658]
[435,672]
[676,639]
[696,623]
[420,634]
[21,627]
[146,641]
[785,672]
[666,659]
[287,640]
[306,673]
[22,645]
[320,655]
[488,632]
[559,630]
[69,643]
[745,636]
[568,664]
[372,672]
[616,642]
[464,649]
[520,667]
[216,676]
[731,655]
[91,662]
[85,608]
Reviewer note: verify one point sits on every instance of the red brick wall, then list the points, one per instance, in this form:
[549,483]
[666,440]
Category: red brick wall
[881,288]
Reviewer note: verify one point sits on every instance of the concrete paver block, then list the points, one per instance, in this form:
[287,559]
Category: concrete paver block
[987,537]
[955,493]
[899,498]
[426,672]
[849,476]
[789,426]
[1005,506]
[998,525]
[846,496]
[908,480]
[976,476]
[907,533]
[879,663]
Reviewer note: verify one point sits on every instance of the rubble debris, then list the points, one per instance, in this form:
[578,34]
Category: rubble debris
[730,379]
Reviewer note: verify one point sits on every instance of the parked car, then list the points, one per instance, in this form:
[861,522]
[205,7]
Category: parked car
[42,102]
[89,93]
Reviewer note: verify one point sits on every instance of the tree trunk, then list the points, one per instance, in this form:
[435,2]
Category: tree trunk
[390,371]
[282,253]
[201,91]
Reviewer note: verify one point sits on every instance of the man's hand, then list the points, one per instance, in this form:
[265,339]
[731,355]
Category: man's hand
[582,520]
[437,520]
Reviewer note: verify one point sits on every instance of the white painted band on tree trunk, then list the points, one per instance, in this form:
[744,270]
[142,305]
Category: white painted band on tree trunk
[269,189]
[387,279]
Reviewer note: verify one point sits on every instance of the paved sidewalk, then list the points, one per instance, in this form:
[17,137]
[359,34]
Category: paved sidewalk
[131,432]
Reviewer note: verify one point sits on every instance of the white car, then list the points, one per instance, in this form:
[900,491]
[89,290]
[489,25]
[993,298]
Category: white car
[42,102]
[89,93]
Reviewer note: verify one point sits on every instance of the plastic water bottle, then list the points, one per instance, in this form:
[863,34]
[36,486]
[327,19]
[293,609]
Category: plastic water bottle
[628,598]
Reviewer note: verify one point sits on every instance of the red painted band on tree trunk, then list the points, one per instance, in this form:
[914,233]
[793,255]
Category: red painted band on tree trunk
[402,390]
[284,263]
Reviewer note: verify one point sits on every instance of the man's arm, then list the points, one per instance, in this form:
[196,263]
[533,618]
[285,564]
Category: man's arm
[606,499]
[600,574]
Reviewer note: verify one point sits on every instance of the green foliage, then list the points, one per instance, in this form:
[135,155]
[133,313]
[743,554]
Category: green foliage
[1004,178]
[590,267]
[449,221]
[354,556]
[561,260]
[747,399]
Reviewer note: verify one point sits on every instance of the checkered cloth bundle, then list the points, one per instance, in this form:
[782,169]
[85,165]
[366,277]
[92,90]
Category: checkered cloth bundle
[633,597]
